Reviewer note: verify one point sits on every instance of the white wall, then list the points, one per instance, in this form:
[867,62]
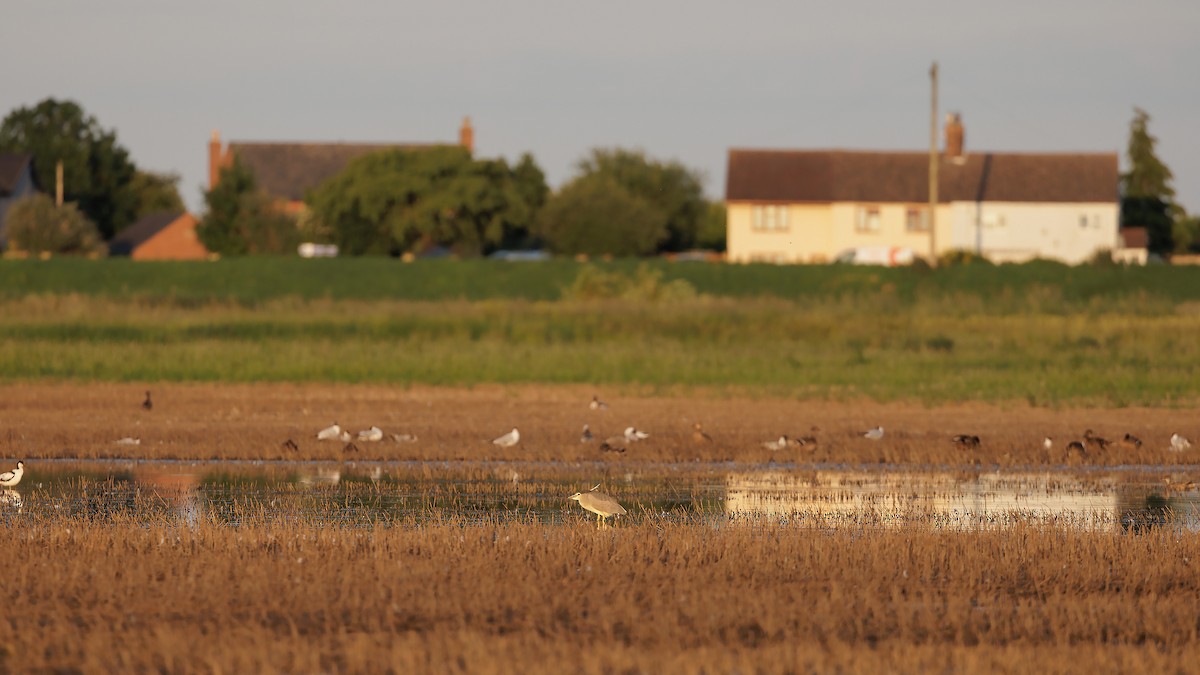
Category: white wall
[1018,231]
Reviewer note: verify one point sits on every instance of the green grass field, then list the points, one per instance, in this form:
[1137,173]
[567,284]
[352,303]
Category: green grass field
[1042,333]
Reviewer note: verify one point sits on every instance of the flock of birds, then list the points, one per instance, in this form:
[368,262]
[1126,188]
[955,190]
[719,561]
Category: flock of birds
[606,506]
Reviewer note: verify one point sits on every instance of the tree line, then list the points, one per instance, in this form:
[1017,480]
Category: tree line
[620,202]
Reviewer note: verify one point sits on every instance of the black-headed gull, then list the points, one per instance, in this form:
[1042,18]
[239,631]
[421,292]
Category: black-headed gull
[371,435]
[1179,443]
[508,440]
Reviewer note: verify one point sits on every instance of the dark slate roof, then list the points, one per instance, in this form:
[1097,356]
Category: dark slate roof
[11,166]
[863,176]
[289,170]
[140,232]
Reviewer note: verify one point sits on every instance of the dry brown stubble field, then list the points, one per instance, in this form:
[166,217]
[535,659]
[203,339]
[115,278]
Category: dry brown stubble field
[253,421]
[114,595]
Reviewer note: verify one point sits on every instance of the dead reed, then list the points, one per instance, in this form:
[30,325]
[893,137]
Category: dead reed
[115,595]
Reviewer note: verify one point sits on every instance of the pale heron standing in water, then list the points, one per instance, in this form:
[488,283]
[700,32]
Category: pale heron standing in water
[604,506]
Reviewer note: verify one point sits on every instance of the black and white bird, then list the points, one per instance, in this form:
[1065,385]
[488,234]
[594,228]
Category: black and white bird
[508,440]
[779,444]
[371,435]
[632,434]
[586,436]
[11,478]
[874,434]
[332,432]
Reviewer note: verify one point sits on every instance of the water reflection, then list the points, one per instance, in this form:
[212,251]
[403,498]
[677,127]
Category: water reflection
[963,500]
[369,494]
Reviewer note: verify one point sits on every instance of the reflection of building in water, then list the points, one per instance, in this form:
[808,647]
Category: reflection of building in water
[945,499]
[181,491]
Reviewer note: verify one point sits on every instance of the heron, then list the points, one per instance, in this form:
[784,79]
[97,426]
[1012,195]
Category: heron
[508,440]
[11,478]
[604,506]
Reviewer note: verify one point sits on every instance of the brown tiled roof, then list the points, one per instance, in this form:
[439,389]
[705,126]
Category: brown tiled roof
[140,232]
[288,170]
[1134,237]
[11,166]
[862,176]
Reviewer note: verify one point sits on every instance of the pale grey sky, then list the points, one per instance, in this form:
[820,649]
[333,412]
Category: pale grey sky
[680,80]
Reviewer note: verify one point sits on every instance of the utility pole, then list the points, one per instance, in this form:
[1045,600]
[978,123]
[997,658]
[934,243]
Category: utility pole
[933,166]
[58,184]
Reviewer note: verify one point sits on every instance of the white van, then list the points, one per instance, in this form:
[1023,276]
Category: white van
[888,256]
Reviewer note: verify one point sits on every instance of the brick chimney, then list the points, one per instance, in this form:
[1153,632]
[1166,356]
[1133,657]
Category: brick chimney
[955,136]
[466,135]
[214,159]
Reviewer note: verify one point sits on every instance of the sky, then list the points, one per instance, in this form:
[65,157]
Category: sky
[681,81]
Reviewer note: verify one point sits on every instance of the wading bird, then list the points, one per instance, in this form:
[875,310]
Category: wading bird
[1131,442]
[874,434]
[147,404]
[11,478]
[966,442]
[371,435]
[508,440]
[1095,442]
[332,432]
[604,506]
[780,443]
[1179,443]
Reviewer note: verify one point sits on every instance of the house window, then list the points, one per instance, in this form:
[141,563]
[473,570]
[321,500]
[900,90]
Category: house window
[770,217]
[1083,222]
[916,219]
[867,219]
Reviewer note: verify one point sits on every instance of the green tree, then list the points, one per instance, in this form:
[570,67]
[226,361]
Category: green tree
[669,186]
[1186,232]
[37,225]
[397,201]
[596,215]
[97,171]
[713,229]
[156,192]
[242,220]
[1147,198]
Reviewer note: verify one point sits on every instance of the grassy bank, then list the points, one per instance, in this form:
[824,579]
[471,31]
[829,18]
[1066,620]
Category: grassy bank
[526,598]
[1042,285]
[934,351]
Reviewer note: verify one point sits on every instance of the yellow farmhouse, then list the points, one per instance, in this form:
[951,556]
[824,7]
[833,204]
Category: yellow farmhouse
[810,206]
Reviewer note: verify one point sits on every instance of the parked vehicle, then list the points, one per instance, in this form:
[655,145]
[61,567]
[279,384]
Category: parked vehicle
[888,256]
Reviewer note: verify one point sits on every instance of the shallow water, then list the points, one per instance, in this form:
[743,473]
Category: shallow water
[366,494]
